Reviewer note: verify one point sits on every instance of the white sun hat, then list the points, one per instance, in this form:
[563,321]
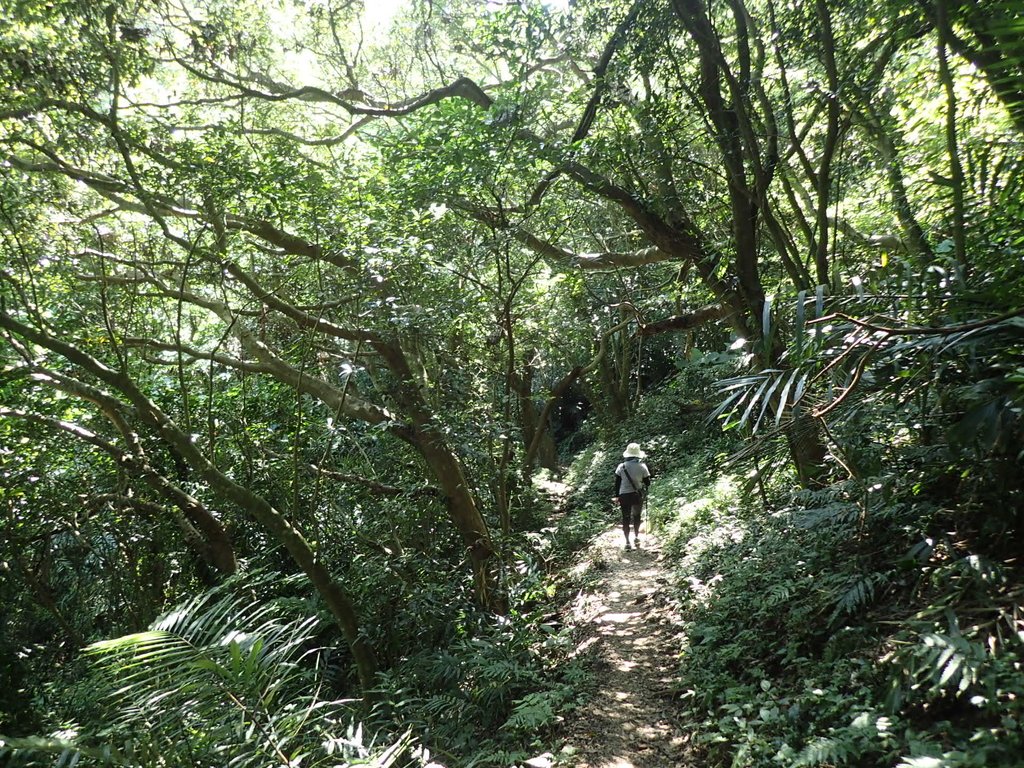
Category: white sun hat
[633,452]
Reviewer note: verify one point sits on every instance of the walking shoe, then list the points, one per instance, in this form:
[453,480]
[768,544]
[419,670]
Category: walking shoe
[627,545]
[636,542]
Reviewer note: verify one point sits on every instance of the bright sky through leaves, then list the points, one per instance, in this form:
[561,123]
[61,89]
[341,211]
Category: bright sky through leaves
[379,13]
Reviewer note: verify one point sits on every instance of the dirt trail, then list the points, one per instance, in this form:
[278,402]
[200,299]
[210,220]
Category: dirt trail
[631,632]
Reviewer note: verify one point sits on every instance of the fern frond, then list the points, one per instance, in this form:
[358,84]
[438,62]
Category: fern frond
[224,679]
[823,751]
[860,593]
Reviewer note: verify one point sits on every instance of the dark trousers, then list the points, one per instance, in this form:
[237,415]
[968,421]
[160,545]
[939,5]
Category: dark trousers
[631,504]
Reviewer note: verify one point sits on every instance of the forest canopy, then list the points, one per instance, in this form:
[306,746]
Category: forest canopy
[296,297]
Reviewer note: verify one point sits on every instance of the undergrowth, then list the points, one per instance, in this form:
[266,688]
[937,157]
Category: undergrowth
[469,688]
[875,622]
[493,692]
[851,627]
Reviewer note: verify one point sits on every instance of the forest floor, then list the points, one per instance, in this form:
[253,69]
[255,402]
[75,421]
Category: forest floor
[631,635]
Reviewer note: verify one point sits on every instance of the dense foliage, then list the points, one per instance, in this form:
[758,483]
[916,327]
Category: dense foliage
[296,297]
[869,623]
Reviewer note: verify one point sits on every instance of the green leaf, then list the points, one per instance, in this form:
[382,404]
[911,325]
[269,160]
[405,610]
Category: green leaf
[799,323]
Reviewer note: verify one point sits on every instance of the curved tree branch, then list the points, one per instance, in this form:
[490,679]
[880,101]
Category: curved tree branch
[212,544]
[686,322]
[335,596]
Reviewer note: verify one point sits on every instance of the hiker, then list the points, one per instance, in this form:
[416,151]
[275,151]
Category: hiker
[632,479]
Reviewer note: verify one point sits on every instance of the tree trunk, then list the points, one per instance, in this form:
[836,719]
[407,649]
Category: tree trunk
[913,233]
[807,448]
[613,408]
[956,170]
[462,510]
[739,149]
[547,451]
[823,182]
[423,434]
[534,425]
[333,594]
[535,444]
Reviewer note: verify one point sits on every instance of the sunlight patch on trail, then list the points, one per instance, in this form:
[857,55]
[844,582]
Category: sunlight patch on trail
[616,618]
[632,640]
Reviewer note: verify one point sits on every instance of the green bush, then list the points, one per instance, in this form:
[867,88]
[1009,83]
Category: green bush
[834,632]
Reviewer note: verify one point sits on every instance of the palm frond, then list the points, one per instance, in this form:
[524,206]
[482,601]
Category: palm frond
[32,750]
[224,679]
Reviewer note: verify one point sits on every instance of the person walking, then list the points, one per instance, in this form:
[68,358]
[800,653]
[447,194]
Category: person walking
[632,479]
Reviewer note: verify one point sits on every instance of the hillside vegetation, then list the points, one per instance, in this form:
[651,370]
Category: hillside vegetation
[310,310]
[873,622]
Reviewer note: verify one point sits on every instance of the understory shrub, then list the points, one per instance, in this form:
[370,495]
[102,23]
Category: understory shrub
[849,629]
[253,673]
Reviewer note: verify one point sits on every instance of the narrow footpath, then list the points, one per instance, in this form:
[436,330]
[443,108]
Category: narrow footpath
[631,633]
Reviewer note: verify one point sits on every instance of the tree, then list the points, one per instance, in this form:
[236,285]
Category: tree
[291,287]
